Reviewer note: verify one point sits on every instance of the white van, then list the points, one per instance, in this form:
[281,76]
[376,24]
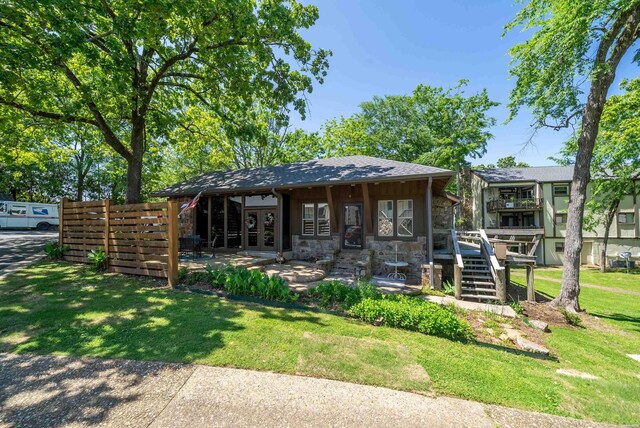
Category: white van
[29,215]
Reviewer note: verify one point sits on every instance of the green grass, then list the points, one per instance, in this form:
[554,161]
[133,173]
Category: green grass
[618,278]
[60,308]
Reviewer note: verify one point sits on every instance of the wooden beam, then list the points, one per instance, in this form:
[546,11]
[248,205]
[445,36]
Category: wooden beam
[226,226]
[368,217]
[209,220]
[332,211]
[61,222]
[172,235]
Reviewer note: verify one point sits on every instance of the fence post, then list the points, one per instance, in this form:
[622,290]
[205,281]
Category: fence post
[61,222]
[172,235]
[501,286]
[531,292]
[107,227]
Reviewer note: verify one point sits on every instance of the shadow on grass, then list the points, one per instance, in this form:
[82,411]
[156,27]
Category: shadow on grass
[632,323]
[535,355]
[517,291]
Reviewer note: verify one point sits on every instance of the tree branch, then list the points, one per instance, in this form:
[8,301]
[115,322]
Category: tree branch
[48,115]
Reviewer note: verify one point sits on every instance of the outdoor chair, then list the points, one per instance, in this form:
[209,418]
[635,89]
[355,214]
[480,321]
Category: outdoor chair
[192,244]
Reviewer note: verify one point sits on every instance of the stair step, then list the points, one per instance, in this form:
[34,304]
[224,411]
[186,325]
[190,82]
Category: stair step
[466,269]
[478,283]
[479,297]
[485,290]
[471,276]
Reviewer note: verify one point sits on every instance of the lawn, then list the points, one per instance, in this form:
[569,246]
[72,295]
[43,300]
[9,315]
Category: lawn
[618,278]
[62,308]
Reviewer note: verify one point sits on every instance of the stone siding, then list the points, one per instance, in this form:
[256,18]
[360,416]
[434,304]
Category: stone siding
[186,220]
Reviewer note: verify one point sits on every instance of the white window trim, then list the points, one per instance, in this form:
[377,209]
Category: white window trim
[386,201]
[312,219]
[566,186]
[327,219]
[399,217]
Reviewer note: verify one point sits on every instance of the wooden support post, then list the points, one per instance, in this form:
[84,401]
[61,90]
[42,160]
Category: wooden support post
[61,223]
[507,274]
[501,286]
[368,217]
[333,215]
[209,204]
[531,292]
[457,280]
[107,227]
[172,235]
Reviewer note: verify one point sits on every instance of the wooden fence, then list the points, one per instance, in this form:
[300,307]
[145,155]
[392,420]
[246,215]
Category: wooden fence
[139,239]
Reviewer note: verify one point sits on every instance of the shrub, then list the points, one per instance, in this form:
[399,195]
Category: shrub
[196,277]
[54,251]
[448,289]
[98,259]
[571,318]
[183,272]
[336,293]
[517,307]
[244,282]
[415,314]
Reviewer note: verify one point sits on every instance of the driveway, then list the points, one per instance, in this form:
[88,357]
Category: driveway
[65,391]
[21,247]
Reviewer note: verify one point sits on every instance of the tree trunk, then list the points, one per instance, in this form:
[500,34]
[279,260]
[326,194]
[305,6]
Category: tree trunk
[570,290]
[134,162]
[80,187]
[605,240]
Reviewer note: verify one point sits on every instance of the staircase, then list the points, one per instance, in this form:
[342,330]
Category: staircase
[477,281]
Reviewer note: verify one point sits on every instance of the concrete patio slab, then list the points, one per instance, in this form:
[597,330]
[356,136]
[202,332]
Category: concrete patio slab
[503,310]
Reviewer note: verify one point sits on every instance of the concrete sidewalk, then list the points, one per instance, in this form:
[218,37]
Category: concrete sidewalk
[64,391]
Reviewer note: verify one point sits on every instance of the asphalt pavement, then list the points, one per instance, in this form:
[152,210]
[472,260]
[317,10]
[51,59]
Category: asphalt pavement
[19,248]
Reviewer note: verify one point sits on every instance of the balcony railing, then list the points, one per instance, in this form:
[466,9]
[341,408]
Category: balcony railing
[514,204]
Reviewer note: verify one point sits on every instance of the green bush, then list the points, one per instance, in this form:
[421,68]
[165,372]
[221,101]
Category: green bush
[98,259]
[54,251]
[244,282]
[448,289]
[412,313]
[183,272]
[336,293]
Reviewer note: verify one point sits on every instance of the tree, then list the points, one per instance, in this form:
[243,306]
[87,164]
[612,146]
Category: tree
[615,167]
[505,162]
[130,68]
[573,41]
[434,126]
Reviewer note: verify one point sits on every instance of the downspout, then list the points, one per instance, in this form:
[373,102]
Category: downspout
[430,233]
[279,224]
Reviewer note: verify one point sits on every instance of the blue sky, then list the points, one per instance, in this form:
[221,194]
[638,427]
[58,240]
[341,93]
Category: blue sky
[389,47]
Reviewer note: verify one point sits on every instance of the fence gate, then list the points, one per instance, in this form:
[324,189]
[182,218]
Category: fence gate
[139,239]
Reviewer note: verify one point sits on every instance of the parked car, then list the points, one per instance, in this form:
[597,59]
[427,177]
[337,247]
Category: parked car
[28,215]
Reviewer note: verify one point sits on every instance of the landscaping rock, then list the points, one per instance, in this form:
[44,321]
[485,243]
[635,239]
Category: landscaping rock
[512,334]
[528,345]
[503,337]
[540,325]
[576,373]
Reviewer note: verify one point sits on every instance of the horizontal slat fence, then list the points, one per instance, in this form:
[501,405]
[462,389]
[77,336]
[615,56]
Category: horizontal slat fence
[139,239]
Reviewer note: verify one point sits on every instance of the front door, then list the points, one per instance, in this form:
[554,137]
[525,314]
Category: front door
[261,229]
[352,234]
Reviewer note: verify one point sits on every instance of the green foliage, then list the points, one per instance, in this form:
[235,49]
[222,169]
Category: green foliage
[54,251]
[412,313]
[131,70]
[571,318]
[244,282]
[183,272]
[517,307]
[432,126]
[505,162]
[448,288]
[338,294]
[98,259]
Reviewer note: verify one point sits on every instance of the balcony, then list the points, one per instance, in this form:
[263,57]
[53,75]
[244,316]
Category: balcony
[530,204]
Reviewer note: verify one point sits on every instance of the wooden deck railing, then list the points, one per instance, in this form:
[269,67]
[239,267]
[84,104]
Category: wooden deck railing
[139,239]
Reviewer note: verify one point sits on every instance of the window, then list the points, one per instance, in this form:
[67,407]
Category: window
[2,207]
[18,210]
[561,218]
[405,218]
[385,218]
[308,219]
[40,211]
[559,247]
[626,218]
[324,228]
[561,190]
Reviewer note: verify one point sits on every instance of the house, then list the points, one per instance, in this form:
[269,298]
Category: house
[352,211]
[523,203]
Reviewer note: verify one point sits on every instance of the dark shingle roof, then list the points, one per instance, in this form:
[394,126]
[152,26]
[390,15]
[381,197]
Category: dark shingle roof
[316,172]
[540,174]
